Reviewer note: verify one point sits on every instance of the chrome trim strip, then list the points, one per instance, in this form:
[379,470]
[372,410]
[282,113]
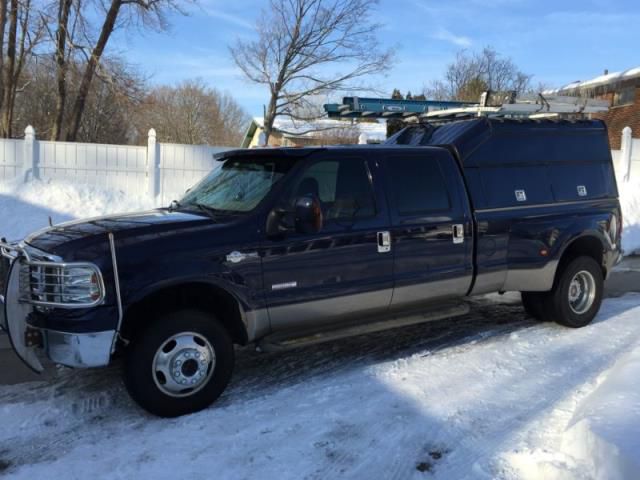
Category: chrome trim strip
[116,279]
[540,205]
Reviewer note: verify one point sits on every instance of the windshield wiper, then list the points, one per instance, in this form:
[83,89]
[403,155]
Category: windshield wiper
[212,212]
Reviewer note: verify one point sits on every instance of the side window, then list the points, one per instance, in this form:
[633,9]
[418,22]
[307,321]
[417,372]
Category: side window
[342,186]
[417,185]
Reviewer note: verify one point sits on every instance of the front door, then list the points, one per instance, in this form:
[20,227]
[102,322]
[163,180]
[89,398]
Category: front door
[431,228]
[340,273]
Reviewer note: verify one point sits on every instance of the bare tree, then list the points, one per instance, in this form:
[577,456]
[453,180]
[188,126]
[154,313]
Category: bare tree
[193,113]
[472,73]
[21,33]
[112,104]
[80,34]
[310,47]
[62,37]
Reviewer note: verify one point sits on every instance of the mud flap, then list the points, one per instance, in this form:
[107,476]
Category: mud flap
[15,314]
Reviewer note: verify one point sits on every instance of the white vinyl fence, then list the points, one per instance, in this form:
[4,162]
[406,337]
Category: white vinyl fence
[627,159]
[161,170]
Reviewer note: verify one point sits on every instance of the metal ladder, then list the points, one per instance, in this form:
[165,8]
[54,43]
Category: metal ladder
[491,104]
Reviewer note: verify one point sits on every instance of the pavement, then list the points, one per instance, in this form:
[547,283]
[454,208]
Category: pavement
[625,278]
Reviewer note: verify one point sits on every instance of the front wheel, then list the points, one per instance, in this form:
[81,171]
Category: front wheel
[577,293]
[179,364]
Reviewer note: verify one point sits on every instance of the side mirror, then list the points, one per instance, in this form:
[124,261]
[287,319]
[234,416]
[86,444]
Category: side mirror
[305,217]
[308,215]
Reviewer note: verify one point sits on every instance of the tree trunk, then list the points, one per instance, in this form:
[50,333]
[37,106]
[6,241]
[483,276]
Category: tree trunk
[64,10]
[3,22]
[269,118]
[90,70]
[8,86]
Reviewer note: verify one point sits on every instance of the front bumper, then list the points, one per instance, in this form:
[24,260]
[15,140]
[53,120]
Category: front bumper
[80,350]
[77,350]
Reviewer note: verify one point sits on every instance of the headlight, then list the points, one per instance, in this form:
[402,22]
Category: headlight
[65,285]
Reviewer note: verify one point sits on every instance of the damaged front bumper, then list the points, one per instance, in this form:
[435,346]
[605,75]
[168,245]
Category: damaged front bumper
[80,350]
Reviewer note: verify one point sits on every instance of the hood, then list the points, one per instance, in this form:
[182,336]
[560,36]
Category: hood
[83,234]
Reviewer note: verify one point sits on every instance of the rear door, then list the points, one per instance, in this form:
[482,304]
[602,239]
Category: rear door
[431,227]
[340,273]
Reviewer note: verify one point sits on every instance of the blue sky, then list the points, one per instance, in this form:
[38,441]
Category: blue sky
[557,41]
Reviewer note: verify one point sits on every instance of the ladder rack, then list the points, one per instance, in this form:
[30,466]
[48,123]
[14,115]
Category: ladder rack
[535,106]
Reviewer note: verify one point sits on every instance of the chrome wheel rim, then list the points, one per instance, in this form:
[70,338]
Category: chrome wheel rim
[183,364]
[582,292]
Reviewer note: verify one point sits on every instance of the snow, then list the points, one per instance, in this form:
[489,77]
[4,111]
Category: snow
[630,203]
[27,207]
[608,78]
[489,395]
[375,131]
[605,431]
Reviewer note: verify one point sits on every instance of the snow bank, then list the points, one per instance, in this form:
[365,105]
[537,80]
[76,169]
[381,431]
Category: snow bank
[605,430]
[25,208]
[630,202]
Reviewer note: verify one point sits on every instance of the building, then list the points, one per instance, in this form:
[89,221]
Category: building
[290,133]
[622,89]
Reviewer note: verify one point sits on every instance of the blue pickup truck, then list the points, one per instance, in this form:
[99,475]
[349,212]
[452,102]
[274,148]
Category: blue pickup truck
[281,247]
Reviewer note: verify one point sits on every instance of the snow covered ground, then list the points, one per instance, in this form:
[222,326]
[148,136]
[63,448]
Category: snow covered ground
[492,395]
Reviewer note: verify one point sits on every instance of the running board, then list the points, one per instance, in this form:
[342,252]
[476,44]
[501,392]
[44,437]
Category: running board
[279,342]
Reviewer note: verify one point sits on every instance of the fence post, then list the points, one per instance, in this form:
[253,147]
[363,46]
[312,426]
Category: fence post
[627,152]
[30,160]
[153,171]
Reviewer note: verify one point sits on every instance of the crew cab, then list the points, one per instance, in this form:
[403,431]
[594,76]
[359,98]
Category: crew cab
[282,247]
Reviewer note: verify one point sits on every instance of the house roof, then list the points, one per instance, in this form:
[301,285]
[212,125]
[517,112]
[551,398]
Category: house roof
[289,128]
[599,81]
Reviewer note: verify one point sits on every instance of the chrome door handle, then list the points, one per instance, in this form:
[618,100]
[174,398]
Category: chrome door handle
[458,233]
[384,242]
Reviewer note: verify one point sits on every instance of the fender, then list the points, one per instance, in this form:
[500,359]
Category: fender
[255,319]
[551,242]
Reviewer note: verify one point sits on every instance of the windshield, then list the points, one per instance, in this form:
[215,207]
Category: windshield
[238,185]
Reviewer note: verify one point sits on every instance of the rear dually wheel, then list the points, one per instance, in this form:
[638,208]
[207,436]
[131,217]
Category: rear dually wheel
[577,292]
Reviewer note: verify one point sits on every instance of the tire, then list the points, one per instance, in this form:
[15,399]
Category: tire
[186,346]
[533,303]
[566,305]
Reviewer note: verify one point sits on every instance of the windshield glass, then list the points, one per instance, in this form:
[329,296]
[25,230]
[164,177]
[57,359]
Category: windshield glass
[238,185]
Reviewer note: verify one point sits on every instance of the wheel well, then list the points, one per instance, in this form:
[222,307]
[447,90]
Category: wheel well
[201,296]
[589,246]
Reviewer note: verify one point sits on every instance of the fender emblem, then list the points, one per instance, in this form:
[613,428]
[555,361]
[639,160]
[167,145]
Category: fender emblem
[237,257]
[283,286]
